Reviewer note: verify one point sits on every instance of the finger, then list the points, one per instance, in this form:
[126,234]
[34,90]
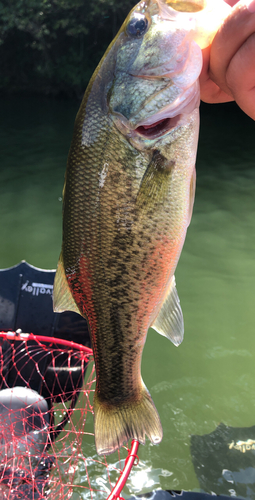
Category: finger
[240,76]
[231,2]
[209,91]
[233,33]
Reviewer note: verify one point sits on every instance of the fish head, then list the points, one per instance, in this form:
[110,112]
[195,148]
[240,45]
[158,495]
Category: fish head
[158,64]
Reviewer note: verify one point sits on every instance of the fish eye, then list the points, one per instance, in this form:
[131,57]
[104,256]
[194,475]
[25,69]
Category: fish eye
[138,25]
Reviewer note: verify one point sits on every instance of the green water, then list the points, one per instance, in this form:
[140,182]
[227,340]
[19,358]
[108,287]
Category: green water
[209,379]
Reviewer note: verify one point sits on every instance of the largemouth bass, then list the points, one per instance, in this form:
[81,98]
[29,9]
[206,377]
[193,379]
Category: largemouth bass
[128,200]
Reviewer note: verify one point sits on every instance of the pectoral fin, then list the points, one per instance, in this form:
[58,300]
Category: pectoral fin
[169,321]
[62,297]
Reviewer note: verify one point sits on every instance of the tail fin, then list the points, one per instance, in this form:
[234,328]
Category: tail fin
[116,424]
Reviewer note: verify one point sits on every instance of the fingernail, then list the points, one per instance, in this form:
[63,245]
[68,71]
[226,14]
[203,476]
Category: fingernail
[250,4]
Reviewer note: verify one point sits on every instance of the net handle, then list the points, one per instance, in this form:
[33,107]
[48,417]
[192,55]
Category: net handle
[132,455]
[42,338]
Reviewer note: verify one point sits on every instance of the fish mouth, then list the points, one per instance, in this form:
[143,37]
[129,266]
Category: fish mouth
[158,128]
[170,117]
[153,126]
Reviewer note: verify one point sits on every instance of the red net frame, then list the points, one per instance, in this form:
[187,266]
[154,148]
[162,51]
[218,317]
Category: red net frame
[49,452]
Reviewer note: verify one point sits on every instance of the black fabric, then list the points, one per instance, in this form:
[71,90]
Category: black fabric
[26,304]
[224,460]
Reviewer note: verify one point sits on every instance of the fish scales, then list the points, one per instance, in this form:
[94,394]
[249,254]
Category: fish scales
[128,200]
[119,242]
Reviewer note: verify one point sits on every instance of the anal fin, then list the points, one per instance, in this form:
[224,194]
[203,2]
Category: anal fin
[169,321]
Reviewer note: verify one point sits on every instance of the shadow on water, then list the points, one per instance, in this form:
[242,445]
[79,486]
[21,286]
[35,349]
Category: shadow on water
[209,379]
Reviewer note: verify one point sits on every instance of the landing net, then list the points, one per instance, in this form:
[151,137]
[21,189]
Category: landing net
[47,446]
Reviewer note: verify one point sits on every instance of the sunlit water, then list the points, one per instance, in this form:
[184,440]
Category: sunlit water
[209,379]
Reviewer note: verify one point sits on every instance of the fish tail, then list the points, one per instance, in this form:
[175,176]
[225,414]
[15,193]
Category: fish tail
[115,424]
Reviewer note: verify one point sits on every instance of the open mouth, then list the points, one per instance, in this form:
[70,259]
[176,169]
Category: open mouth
[171,116]
[158,128]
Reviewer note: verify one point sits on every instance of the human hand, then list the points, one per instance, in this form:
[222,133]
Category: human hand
[229,64]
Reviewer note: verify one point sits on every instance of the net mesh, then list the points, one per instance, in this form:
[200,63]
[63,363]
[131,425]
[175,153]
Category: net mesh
[46,423]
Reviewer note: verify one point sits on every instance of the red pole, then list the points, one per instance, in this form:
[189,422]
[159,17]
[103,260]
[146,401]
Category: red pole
[114,495]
